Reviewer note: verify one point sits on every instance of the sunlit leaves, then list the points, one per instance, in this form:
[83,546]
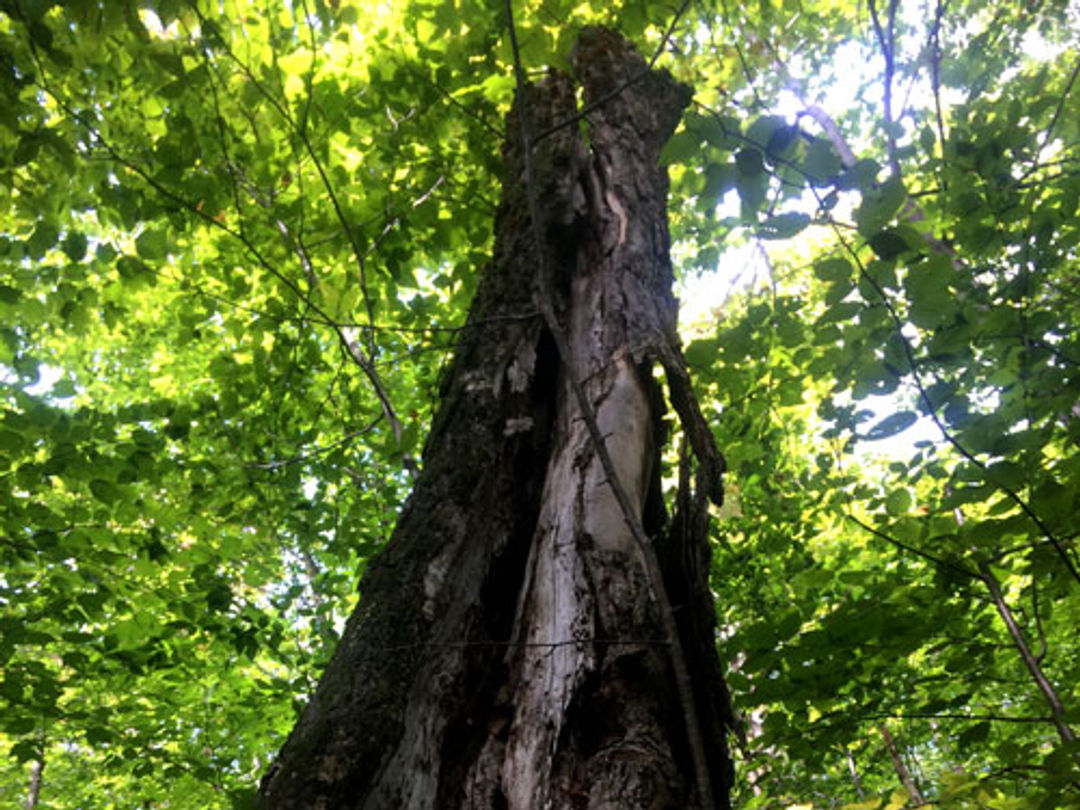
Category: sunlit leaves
[879,205]
[201,472]
[940,298]
[203,404]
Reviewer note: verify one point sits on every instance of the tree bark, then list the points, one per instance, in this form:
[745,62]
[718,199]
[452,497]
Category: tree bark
[906,779]
[507,651]
[33,791]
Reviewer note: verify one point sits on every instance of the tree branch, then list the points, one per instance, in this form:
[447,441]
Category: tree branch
[941,563]
[935,70]
[1053,700]
[887,41]
[898,765]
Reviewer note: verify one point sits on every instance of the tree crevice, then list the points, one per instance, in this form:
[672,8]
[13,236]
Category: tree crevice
[508,650]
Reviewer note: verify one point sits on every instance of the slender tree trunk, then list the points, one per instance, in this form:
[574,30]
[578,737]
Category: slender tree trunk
[1031,661]
[33,790]
[509,649]
[902,772]
[855,778]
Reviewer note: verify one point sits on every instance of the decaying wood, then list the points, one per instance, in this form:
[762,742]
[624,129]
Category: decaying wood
[506,651]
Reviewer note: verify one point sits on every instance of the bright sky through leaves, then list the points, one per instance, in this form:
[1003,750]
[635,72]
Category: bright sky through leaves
[202,202]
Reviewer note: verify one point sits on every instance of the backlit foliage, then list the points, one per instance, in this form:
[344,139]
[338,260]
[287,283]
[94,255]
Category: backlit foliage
[237,248]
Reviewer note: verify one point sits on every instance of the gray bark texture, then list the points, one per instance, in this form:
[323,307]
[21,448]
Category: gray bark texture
[507,651]
[33,792]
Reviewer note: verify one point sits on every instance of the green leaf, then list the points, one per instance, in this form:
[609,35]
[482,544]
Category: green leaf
[242,799]
[927,287]
[17,726]
[749,163]
[42,239]
[409,437]
[752,191]
[99,735]
[64,388]
[838,291]
[898,502]
[783,226]
[680,148]
[843,311]
[24,751]
[74,245]
[891,425]
[821,164]
[26,150]
[879,206]
[719,179]
[763,130]
[719,131]
[834,270]
[105,491]
[974,735]
[152,245]
[751,180]
[889,243]
[11,442]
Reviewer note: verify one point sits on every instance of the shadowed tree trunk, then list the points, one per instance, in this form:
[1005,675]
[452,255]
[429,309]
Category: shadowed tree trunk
[509,648]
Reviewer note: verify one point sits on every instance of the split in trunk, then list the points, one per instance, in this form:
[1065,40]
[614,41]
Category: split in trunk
[507,650]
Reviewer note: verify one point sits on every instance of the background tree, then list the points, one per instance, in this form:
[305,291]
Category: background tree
[239,240]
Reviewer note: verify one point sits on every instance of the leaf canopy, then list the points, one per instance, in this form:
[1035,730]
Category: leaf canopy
[237,246]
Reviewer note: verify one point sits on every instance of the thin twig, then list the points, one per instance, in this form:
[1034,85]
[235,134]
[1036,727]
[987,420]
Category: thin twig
[365,360]
[346,338]
[935,71]
[1060,105]
[317,450]
[301,133]
[938,561]
[832,134]
[887,41]
[992,718]
[494,130]
[1040,656]
[1053,121]
[751,80]
[1053,700]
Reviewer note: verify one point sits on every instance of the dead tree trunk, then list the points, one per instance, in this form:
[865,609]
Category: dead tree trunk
[509,650]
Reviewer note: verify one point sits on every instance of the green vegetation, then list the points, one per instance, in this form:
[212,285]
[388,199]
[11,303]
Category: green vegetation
[237,247]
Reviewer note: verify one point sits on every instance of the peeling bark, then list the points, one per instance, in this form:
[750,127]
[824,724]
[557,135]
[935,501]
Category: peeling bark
[506,651]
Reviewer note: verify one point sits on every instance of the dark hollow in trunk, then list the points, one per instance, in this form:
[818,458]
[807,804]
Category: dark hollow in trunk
[506,651]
